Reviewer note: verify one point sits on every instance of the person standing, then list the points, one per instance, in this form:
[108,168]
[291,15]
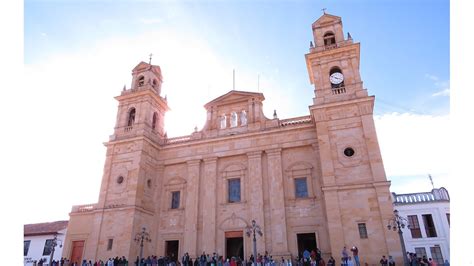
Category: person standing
[355,255]
[383,261]
[344,256]
[391,262]
[331,261]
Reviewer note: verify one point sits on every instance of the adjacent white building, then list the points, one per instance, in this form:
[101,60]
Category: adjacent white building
[38,239]
[428,216]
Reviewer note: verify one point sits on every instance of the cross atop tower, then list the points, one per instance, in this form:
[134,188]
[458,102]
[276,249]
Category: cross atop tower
[150,58]
[324,10]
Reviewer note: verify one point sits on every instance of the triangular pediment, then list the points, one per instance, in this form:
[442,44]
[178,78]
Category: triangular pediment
[326,19]
[235,96]
[142,66]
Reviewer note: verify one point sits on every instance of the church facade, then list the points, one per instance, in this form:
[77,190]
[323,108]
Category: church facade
[315,181]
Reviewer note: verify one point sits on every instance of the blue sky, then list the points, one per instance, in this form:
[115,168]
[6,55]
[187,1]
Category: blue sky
[79,54]
[404,43]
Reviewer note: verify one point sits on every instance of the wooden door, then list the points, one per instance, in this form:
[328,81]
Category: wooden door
[77,249]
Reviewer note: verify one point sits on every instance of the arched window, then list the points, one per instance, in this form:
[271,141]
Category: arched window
[154,82]
[336,78]
[131,117]
[153,122]
[141,81]
[329,39]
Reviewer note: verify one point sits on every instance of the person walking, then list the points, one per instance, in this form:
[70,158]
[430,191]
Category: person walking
[383,261]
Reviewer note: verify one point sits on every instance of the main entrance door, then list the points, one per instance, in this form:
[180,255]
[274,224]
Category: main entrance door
[306,242]
[171,249]
[234,244]
[77,249]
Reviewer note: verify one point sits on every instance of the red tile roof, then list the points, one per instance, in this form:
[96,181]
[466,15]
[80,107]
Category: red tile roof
[44,228]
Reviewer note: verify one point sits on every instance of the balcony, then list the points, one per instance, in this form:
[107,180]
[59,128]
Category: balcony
[336,91]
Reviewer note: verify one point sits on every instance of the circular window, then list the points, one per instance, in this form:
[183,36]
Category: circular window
[120,180]
[349,152]
[148,183]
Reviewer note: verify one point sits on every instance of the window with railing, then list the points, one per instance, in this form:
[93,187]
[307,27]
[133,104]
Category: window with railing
[414,226]
[429,225]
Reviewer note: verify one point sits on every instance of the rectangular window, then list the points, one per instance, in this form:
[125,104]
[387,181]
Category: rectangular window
[110,243]
[449,220]
[26,247]
[175,199]
[414,226]
[301,189]
[362,230]
[420,252]
[47,247]
[429,225]
[436,255]
[234,190]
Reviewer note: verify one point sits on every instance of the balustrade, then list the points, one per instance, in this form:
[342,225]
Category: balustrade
[338,90]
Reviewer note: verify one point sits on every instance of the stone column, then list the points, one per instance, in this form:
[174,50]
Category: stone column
[277,203]
[191,209]
[255,201]
[209,205]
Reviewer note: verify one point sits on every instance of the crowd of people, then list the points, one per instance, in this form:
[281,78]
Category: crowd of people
[307,258]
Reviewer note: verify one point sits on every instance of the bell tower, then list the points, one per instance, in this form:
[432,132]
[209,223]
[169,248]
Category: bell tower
[333,62]
[128,199]
[141,108]
[356,191]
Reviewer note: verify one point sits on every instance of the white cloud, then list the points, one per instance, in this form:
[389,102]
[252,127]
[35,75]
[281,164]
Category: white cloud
[412,147]
[445,92]
[442,86]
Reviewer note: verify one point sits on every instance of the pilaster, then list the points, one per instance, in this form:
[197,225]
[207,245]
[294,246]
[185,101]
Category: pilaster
[191,209]
[256,211]
[209,205]
[277,203]
[333,214]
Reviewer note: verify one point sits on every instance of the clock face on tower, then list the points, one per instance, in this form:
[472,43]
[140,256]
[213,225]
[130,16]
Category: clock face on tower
[336,78]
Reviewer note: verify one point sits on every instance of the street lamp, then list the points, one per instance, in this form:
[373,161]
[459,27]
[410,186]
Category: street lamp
[255,228]
[139,238]
[398,223]
[54,243]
